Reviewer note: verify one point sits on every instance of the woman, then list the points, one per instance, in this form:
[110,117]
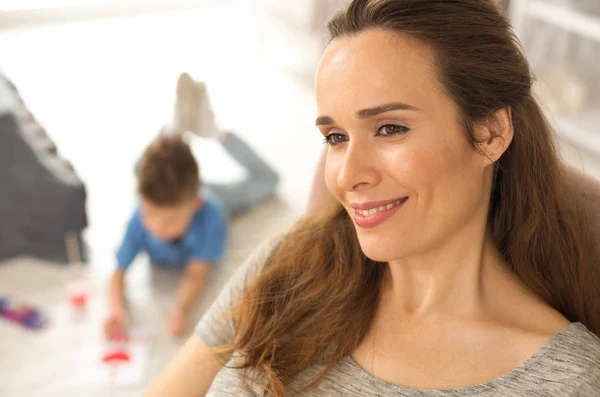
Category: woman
[455,262]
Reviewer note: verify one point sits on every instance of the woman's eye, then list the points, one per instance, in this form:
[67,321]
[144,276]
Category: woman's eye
[391,129]
[335,139]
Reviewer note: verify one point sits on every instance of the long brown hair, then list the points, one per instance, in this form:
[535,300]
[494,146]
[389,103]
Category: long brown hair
[316,297]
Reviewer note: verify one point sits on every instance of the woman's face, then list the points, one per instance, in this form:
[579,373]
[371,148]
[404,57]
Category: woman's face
[398,159]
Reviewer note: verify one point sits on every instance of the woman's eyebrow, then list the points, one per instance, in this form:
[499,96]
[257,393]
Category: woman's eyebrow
[370,112]
[324,120]
[374,111]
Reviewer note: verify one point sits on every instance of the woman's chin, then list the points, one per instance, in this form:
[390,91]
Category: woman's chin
[381,252]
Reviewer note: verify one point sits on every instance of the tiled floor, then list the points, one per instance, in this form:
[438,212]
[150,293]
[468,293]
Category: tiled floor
[102,101]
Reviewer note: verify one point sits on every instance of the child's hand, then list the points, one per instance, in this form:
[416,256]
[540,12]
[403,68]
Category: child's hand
[114,326]
[178,321]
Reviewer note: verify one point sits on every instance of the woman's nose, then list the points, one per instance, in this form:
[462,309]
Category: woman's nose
[358,168]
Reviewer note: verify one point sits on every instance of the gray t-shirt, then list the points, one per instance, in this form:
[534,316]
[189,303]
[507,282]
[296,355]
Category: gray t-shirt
[568,365]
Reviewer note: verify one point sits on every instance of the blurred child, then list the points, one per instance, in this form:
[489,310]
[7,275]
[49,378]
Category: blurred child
[181,222]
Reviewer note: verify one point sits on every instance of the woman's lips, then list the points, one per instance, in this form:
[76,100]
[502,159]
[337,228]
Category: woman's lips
[371,214]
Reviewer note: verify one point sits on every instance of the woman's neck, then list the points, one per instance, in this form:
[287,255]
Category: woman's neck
[451,278]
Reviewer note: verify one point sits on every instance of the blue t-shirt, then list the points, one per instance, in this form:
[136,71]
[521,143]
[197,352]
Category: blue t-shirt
[204,239]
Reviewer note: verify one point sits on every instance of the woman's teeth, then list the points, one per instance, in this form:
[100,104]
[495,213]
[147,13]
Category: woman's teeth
[373,211]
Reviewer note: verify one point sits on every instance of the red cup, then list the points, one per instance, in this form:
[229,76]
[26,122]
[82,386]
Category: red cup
[78,292]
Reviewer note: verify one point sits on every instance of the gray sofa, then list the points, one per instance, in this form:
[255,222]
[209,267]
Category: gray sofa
[41,197]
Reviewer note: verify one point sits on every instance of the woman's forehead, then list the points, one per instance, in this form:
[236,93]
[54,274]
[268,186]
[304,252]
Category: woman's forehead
[376,64]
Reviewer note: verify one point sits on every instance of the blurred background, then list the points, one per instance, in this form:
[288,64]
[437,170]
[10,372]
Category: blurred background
[86,84]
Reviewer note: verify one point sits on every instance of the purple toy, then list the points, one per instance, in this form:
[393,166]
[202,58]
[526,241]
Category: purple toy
[22,314]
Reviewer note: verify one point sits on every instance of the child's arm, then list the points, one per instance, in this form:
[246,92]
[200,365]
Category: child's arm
[117,291]
[188,291]
[191,284]
[114,327]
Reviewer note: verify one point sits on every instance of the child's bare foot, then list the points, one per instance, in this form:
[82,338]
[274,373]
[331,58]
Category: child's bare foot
[178,321]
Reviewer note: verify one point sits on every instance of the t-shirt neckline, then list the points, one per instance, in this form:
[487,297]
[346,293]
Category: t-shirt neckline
[503,380]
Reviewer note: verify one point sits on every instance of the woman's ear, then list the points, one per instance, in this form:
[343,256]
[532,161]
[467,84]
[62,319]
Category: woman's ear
[495,134]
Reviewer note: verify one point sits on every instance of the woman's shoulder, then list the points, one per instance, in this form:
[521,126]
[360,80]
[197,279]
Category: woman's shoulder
[259,258]
[578,342]
[577,338]
[574,354]
[215,327]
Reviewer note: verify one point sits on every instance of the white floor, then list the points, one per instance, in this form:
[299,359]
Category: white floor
[102,89]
